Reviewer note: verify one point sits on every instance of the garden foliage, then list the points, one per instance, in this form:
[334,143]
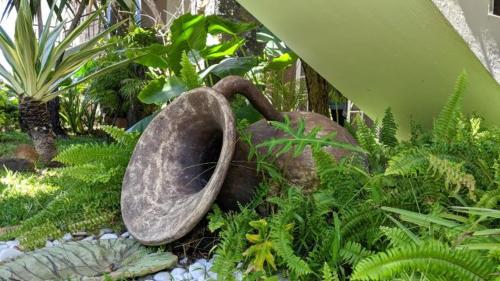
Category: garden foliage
[426,209]
[82,196]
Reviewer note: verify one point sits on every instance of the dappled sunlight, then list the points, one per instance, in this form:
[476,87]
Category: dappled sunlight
[23,195]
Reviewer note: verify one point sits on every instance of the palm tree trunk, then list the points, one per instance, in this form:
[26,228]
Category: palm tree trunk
[34,118]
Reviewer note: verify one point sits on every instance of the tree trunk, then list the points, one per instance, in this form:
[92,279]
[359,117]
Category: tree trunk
[55,120]
[318,89]
[34,118]
[53,105]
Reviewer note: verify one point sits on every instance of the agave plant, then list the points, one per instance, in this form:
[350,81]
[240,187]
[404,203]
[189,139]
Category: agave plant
[38,67]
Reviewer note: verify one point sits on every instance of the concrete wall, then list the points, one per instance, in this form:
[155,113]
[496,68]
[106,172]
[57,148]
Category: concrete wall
[473,20]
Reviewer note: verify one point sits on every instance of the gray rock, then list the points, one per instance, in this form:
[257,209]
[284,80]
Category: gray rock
[56,242]
[9,253]
[108,236]
[48,244]
[162,276]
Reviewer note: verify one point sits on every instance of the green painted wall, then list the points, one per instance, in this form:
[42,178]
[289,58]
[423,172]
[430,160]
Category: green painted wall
[398,53]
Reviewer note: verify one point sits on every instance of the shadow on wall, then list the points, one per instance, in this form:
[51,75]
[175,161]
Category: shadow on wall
[476,23]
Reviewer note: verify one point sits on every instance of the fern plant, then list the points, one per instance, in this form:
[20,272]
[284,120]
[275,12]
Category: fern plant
[410,214]
[91,195]
[446,124]
[388,129]
[430,258]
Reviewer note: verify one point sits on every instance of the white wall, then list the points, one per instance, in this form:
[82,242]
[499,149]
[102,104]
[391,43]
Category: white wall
[480,29]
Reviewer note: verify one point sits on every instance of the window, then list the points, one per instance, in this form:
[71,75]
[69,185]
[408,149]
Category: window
[495,7]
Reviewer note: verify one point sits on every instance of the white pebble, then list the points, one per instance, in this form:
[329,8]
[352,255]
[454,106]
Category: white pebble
[162,276]
[212,275]
[48,244]
[202,261]
[67,237]
[125,235]
[9,253]
[109,236]
[105,231]
[198,270]
[178,273]
[238,276]
[56,243]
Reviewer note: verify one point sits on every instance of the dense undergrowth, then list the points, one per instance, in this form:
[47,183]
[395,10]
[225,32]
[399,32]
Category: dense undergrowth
[426,209]
[423,209]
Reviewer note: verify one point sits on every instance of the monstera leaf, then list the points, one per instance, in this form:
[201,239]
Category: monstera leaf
[87,260]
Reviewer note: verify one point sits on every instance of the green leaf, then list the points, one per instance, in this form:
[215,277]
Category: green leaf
[416,217]
[161,90]
[217,25]
[151,56]
[232,66]
[221,50]
[282,62]
[187,32]
[142,124]
[189,74]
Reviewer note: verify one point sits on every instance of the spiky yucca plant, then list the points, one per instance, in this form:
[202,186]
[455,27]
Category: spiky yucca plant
[38,67]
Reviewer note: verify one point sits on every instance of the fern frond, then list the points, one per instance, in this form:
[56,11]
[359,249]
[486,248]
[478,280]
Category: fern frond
[432,257]
[397,237]
[453,174]
[489,199]
[298,138]
[91,173]
[188,73]
[324,166]
[408,163]
[359,221]
[83,154]
[353,252]
[445,125]
[366,137]
[121,136]
[388,129]
[282,244]
[329,274]
[230,249]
